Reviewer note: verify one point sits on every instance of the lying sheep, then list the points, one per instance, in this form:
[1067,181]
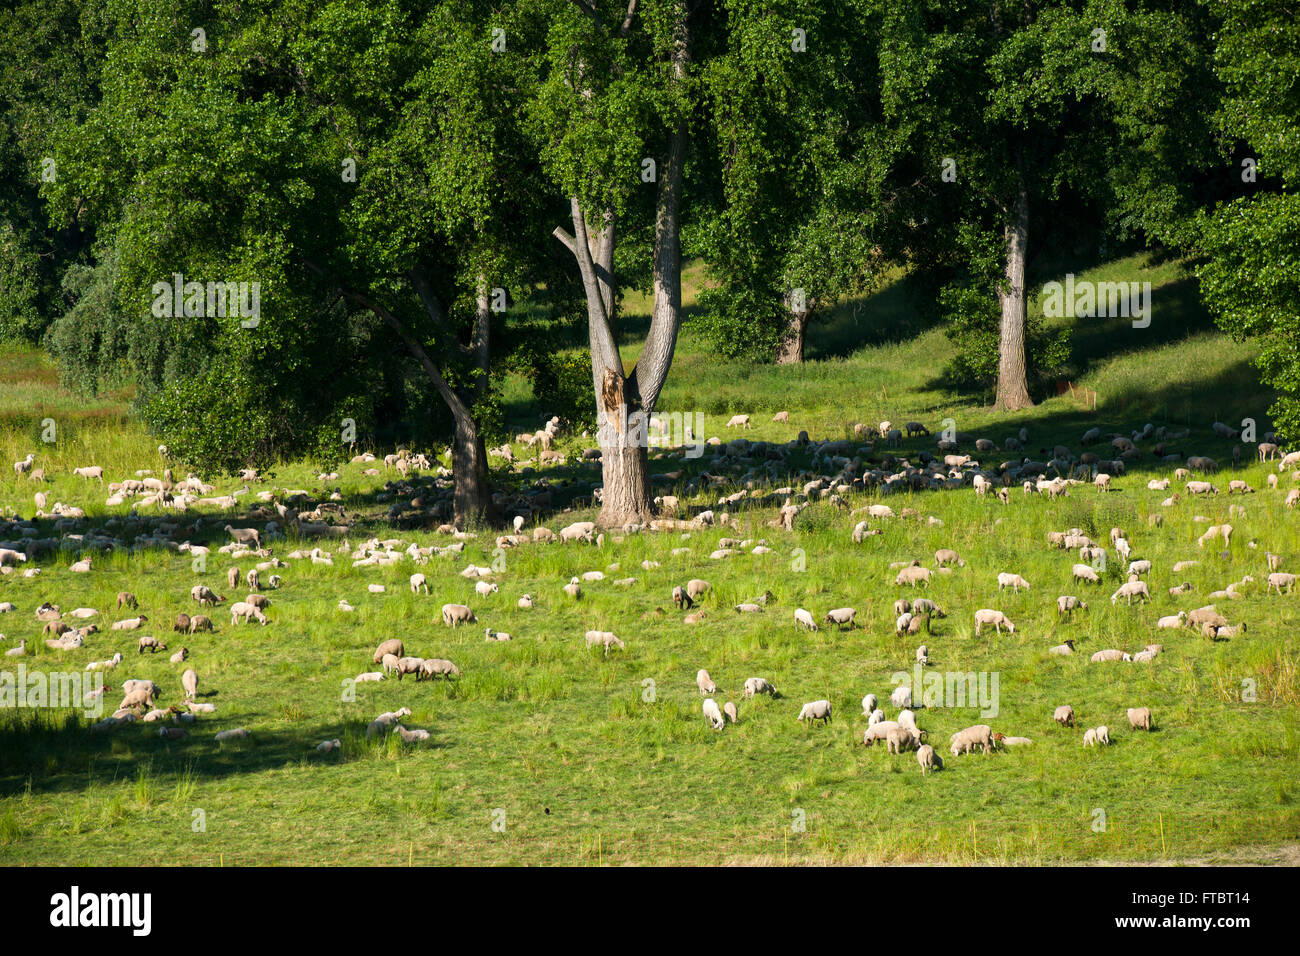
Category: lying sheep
[1063,650]
[1139,718]
[180,656]
[454,614]
[816,710]
[1110,654]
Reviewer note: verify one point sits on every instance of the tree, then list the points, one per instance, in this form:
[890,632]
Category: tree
[614,101]
[1016,109]
[1251,277]
[800,151]
[366,166]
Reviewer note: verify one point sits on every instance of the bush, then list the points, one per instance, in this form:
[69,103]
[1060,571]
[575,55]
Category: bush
[562,386]
[739,323]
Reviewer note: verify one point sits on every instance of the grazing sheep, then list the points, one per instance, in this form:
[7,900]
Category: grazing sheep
[200,623]
[738,421]
[325,746]
[205,595]
[152,644]
[901,697]
[247,612]
[1130,590]
[681,599]
[695,588]
[1013,581]
[868,704]
[816,710]
[928,759]
[946,556]
[758,685]
[713,714]
[964,741]
[190,683]
[232,577]
[435,667]
[841,616]
[1090,737]
[912,576]
[996,618]
[182,624]
[900,739]
[730,710]
[126,598]
[1139,718]
[254,583]
[384,723]
[804,619]
[1279,580]
[1064,715]
[606,639]
[389,662]
[1067,603]
[391,646]
[705,683]
[1102,482]
[454,614]
[1206,615]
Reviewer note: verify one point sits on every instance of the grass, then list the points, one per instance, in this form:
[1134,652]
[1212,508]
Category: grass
[544,752]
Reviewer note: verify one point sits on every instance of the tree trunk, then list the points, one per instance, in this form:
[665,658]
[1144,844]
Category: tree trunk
[1013,388]
[789,348]
[472,492]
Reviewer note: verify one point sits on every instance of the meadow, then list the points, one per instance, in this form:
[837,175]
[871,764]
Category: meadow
[546,752]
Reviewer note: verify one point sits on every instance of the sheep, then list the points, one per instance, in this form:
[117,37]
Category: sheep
[928,759]
[391,646]
[996,618]
[200,623]
[21,467]
[606,639]
[1013,581]
[454,614]
[484,589]
[435,667]
[1201,488]
[1139,567]
[190,683]
[1173,620]
[232,577]
[1289,460]
[730,710]
[749,608]
[804,619]
[758,685]
[713,714]
[868,704]
[1279,580]
[238,733]
[1068,602]
[404,666]
[923,655]
[89,472]
[180,656]
[912,576]
[247,612]
[1090,737]
[1064,715]
[946,556]
[411,736]
[705,683]
[254,583]
[696,588]
[573,589]
[325,746]
[816,710]
[205,595]
[80,567]
[841,616]
[151,643]
[491,635]
[126,598]
[681,599]
[1006,741]
[1206,615]
[369,677]
[1130,590]
[964,741]
[900,739]
[738,421]
[419,583]
[1102,482]
[579,531]
[1110,654]
[901,697]
[18,651]
[1062,650]
[259,601]
[877,716]
[1178,589]
[902,606]
[244,536]
[385,722]
[182,624]
[389,662]
[927,607]
[130,623]
[1139,718]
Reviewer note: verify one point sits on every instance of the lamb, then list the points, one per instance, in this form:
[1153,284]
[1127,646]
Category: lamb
[841,616]
[491,635]
[705,683]
[1013,581]
[713,714]
[454,614]
[24,466]
[232,577]
[190,683]
[1110,654]
[573,589]
[900,739]
[579,531]
[389,662]
[804,619]
[758,685]
[1139,718]
[1130,590]
[730,710]
[369,677]
[1099,736]
[259,601]
[411,736]
[200,623]
[152,644]
[525,602]
[484,589]
[964,741]
[816,710]
[782,417]
[244,536]
[923,655]
[254,584]
[928,759]
[996,618]
[386,721]
[246,611]
[1064,715]
[681,599]
[325,746]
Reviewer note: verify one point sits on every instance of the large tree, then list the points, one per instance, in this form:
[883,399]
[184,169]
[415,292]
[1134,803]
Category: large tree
[614,104]
[365,164]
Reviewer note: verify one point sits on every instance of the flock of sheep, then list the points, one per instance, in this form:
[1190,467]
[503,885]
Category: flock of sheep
[837,469]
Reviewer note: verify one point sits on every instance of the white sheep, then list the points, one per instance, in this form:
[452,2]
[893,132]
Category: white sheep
[705,683]
[901,697]
[816,710]
[928,759]
[758,685]
[804,619]
[1130,590]
[419,583]
[868,704]
[1013,581]
[996,618]
[454,614]
[841,616]
[713,714]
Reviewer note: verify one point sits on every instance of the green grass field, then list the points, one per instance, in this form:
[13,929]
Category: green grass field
[546,752]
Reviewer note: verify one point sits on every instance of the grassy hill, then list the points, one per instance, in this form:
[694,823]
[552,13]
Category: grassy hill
[546,752]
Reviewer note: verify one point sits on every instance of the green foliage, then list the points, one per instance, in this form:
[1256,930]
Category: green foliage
[739,321]
[562,386]
[973,320]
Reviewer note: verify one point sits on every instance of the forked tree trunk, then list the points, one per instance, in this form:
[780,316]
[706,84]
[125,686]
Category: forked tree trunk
[1013,387]
[790,346]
